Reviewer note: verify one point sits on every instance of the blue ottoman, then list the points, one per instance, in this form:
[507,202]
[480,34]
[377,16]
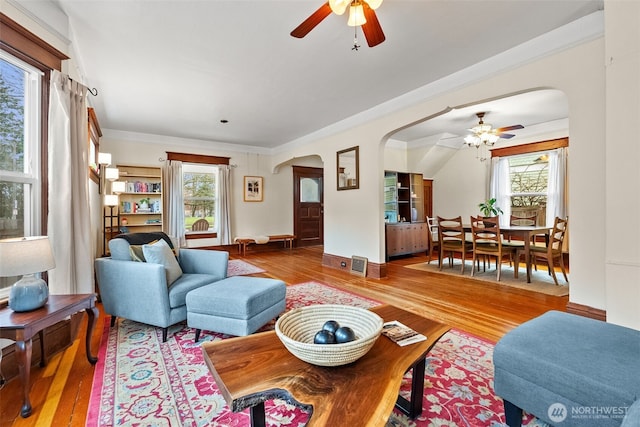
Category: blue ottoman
[237,305]
[569,370]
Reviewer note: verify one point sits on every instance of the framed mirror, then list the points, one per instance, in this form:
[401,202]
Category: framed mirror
[347,169]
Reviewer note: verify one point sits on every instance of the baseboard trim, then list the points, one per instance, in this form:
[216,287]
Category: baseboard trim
[374,270]
[586,311]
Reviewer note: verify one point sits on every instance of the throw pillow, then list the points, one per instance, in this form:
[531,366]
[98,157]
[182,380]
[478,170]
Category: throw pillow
[136,252]
[161,253]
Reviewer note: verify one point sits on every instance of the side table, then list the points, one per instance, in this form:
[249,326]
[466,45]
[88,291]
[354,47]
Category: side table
[21,327]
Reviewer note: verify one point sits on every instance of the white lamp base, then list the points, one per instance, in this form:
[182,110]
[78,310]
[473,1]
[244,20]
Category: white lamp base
[28,293]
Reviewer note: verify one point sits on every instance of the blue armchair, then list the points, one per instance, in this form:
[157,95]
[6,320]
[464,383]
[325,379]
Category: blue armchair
[149,292]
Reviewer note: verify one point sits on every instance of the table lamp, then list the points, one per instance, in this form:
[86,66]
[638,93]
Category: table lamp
[26,256]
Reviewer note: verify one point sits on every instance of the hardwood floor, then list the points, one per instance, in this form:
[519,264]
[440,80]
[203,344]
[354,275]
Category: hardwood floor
[60,391]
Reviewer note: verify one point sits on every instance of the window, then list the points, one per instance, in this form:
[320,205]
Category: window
[529,177]
[200,194]
[530,180]
[20,130]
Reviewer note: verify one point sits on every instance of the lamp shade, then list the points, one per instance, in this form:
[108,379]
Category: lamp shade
[104,158]
[111,200]
[25,255]
[111,174]
[118,187]
[356,16]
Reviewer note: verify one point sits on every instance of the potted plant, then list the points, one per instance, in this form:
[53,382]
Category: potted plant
[144,203]
[489,208]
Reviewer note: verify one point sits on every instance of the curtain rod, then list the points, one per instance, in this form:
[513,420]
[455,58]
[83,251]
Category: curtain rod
[92,91]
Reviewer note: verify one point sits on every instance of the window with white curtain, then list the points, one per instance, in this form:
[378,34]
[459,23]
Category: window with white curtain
[20,130]
[530,184]
[200,194]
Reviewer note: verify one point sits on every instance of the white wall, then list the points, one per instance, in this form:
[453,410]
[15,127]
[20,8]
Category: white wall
[622,183]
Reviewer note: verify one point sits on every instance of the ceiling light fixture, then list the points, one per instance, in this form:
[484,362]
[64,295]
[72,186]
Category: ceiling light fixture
[483,135]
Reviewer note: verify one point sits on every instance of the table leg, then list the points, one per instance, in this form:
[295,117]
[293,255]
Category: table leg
[23,357]
[413,406]
[92,314]
[257,415]
[527,257]
[43,356]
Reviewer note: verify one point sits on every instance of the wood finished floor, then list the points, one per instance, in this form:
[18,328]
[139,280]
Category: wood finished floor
[60,391]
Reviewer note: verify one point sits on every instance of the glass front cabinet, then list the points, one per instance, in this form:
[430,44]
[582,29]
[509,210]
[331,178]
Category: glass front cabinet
[406,229]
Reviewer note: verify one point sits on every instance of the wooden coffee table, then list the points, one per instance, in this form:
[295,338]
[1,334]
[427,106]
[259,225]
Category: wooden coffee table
[250,370]
[21,327]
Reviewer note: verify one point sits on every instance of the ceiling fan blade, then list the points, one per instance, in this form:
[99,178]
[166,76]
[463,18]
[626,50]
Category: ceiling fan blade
[505,135]
[508,128]
[372,29]
[310,23]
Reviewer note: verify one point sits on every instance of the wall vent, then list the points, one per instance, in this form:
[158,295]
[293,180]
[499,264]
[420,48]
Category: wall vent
[359,266]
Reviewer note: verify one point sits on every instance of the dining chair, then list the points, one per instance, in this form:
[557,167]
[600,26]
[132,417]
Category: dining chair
[451,236]
[522,221]
[487,242]
[200,225]
[552,251]
[434,242]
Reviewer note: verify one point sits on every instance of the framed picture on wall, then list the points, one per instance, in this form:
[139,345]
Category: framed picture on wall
[253,188]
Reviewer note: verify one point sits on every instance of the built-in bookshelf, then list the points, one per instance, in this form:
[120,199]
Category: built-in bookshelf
[141,203]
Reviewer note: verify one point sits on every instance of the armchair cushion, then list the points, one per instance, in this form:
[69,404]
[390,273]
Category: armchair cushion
[161,253]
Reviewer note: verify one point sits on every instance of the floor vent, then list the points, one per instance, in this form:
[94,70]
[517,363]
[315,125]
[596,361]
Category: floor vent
[359,266]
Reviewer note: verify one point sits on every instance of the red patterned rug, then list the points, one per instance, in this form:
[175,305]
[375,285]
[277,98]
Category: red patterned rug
[140,381]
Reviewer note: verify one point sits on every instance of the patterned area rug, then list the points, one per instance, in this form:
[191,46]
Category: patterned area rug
[541,281]
[140,381]
[238,267]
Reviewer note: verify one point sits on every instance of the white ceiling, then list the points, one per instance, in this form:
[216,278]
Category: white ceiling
[178,67]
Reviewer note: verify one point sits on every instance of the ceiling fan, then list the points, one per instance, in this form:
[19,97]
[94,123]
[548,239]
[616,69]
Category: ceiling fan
[361,13]
[483,133]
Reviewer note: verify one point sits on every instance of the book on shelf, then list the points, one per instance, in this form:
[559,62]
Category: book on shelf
[401,334]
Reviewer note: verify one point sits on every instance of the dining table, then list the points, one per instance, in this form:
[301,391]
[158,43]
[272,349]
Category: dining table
[524,233]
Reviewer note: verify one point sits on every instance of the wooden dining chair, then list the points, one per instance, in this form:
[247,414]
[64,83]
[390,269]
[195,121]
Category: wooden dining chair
[522,221]
[200,225]
[487,242]
[451,236]
[552,251]
[434,242]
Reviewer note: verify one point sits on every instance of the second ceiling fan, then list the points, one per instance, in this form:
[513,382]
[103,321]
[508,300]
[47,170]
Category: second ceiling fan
[361,13]
[484,133]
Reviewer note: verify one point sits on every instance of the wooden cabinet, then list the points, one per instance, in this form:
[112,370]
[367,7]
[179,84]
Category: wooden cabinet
[403,197]
[406,238]
[141,203]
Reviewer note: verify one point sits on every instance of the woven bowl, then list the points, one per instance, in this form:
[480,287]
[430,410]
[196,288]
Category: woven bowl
[296,329]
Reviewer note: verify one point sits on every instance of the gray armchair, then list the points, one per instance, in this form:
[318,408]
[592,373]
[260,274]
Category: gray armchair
[140,291]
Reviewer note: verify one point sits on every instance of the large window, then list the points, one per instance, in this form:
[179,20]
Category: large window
[200,195]
[529,176]
[20,130]
[530,180]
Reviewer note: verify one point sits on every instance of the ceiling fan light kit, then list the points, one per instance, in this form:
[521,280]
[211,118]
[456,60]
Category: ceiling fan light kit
[483,135]
[361,14]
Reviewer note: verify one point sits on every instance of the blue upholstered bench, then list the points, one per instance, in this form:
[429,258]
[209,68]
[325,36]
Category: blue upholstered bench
[569,370]
[237,305]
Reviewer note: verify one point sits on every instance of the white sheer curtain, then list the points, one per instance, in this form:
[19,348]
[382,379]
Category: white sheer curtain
[500,187]
[173,201]
[224,228]
[556,193]
[68,221]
